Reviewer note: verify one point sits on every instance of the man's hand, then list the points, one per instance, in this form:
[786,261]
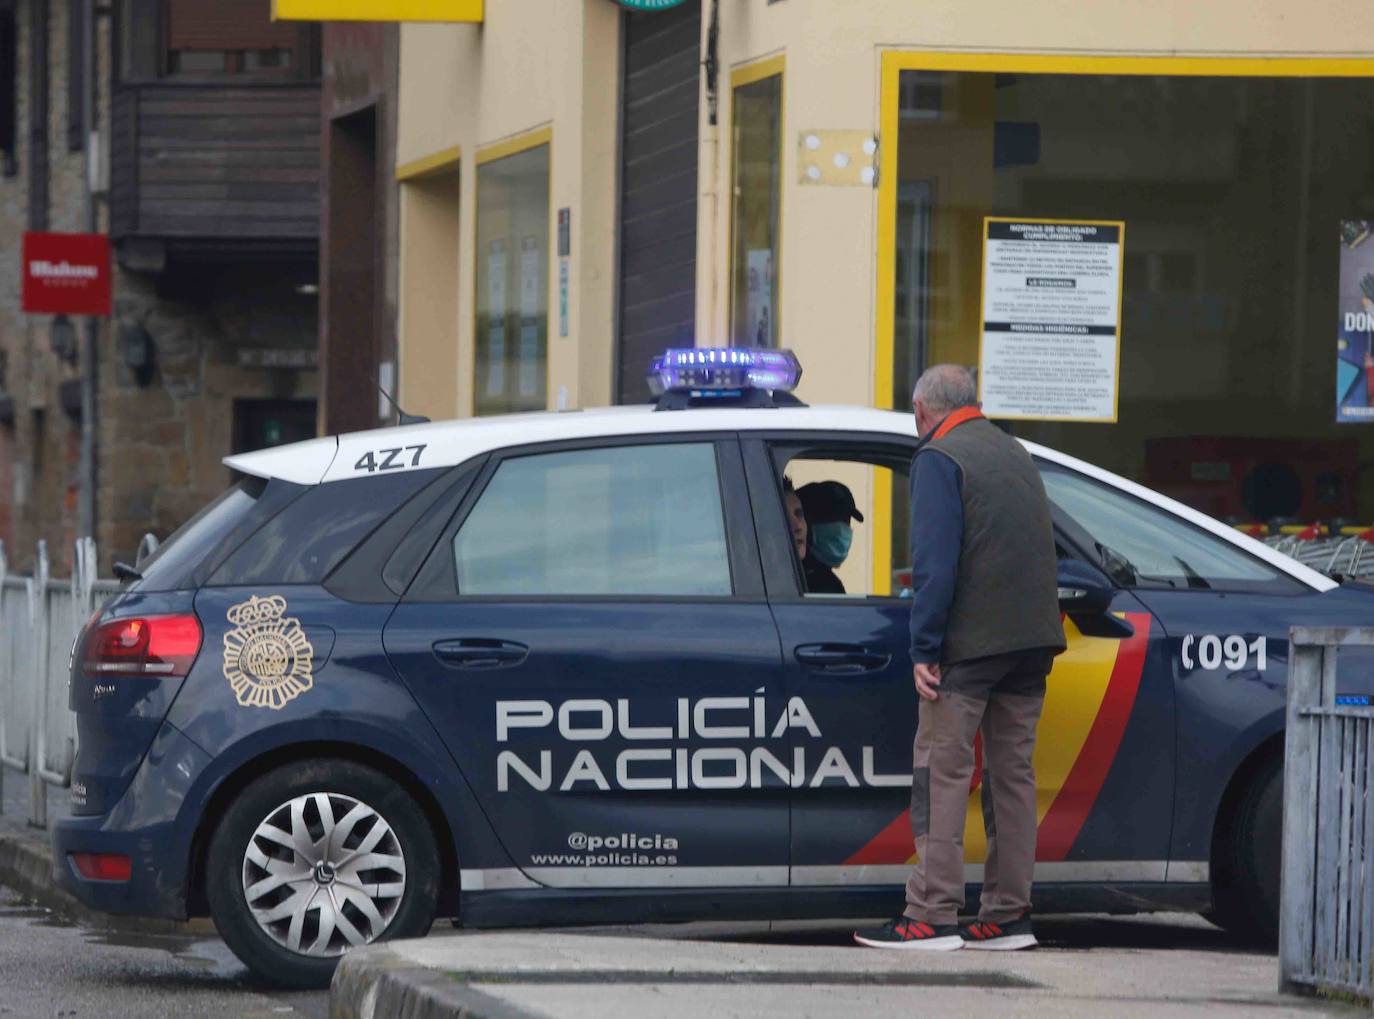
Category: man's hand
[927,679]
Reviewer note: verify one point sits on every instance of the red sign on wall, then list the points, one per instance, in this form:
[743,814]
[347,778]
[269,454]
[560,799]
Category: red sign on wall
[66,274]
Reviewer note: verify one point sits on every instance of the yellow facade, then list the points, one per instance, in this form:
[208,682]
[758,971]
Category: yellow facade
[536,65]
[377,10]
[532,70]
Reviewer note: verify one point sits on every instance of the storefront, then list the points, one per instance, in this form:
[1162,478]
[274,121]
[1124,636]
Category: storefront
[1244,187]
[820,176]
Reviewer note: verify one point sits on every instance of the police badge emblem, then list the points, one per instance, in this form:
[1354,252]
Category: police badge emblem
[267,658]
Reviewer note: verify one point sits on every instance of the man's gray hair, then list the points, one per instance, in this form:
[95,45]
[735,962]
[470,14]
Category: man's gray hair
[946,387]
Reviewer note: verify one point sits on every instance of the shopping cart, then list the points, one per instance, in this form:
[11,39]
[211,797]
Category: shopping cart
[1348,552]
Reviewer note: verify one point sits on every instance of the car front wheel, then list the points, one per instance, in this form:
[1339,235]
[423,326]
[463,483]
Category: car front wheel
[1246,893]
[314,859]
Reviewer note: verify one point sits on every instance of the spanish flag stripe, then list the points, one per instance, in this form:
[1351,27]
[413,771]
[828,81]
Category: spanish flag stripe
[1061,825]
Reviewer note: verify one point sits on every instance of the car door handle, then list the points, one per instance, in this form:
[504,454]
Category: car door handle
[480,653]
[841,659]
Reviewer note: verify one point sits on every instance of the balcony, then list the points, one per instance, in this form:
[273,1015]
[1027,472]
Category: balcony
[217,170]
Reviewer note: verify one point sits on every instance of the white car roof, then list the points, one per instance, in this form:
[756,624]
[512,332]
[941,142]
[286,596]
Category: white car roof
[448,443]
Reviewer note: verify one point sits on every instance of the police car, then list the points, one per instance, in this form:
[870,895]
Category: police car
[562,667]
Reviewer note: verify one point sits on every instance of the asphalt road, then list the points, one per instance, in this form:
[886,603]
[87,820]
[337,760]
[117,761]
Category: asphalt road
[51,967]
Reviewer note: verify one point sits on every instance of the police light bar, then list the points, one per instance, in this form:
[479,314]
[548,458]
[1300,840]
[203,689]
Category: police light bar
[704,372]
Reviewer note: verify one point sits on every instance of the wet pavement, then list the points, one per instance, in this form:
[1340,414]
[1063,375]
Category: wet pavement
[50,966]
[53,965]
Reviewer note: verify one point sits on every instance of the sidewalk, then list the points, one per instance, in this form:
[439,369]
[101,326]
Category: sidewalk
[25,855]
[1149,966]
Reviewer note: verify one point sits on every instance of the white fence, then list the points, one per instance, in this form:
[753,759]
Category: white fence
[39,620]
[1327,919]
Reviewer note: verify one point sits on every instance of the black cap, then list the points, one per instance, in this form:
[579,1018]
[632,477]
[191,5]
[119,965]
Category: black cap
[825,501]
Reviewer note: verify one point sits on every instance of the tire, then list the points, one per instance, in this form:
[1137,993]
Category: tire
[1245,892]
[317,908]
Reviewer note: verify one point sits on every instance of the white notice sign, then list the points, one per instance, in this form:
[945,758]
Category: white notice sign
[1051,319]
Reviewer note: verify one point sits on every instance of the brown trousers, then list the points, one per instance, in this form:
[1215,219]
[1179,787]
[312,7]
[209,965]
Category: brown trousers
[1002,695]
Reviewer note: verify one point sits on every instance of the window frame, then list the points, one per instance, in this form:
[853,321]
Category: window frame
[436,580]
[143,52]
[765,456]
[520,145]
[743,77]
[1281,583]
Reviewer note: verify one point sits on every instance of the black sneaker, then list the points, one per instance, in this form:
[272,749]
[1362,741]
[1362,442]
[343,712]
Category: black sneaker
[904,932]
[985,936]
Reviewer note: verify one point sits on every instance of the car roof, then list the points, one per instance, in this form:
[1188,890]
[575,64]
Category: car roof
[448,443]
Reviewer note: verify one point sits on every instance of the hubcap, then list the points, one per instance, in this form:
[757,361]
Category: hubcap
[323,873]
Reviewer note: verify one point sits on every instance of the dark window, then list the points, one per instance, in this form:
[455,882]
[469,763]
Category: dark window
[231,37]
[9,90]
[262,424]
[302,544]
[38,117]
[76,73]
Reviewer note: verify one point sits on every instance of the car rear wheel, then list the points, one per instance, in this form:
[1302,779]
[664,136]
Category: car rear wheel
[317,858]
[1245,893]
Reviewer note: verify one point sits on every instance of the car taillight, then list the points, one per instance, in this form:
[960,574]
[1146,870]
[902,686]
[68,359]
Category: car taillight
[102,866]
[143,646]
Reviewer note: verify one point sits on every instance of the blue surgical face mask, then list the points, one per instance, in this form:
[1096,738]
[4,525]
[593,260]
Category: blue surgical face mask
[830,542]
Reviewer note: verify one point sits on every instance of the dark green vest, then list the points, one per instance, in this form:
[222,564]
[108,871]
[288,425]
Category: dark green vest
[1006,595]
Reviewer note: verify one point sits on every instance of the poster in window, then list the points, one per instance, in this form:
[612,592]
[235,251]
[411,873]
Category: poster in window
[496,318]
[529,316]
[1050,344]
[1355,325]
[759,326]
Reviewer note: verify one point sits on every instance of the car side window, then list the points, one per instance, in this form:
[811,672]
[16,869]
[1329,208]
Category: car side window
[304,542]
[1141,545]
[623,520]
[841,546]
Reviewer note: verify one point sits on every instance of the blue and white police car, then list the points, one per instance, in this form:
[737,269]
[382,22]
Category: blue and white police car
[564,667]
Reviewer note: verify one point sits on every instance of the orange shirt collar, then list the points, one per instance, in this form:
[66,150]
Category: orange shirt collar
[954,420]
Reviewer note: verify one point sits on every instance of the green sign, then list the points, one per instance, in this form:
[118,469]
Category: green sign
[648,5]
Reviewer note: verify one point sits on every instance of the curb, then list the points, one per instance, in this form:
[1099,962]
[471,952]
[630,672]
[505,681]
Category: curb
[377,984]
[26,868]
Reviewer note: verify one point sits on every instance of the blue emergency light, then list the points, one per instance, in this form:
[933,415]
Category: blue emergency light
[689,376]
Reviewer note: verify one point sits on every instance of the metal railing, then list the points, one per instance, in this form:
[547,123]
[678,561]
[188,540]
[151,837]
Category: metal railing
[39,620]
[1326,940]
[1348,554]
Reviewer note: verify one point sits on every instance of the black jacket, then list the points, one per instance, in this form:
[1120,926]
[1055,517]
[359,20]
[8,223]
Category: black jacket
[820,578]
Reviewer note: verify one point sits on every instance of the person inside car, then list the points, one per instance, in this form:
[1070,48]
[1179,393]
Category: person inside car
[796,517]
[829,507]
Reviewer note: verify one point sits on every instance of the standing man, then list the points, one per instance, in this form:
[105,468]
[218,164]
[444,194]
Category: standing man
[985,628]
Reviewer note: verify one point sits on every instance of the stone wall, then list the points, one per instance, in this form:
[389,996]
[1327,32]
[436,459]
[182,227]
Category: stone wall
[14,200]
[160,437]
[161,444]
[13,219]
[39,453]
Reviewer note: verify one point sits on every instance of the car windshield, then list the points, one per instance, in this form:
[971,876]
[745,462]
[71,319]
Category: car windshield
[1140,545]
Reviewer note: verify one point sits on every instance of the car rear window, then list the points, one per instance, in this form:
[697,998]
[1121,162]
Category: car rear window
[185,558]
[304,542]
